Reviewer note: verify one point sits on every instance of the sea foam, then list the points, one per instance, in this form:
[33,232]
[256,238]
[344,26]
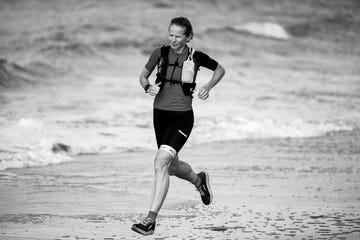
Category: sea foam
[28,144]
[31,142]
[266,29]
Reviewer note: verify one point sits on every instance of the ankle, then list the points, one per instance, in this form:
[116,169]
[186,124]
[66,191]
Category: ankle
[152,215]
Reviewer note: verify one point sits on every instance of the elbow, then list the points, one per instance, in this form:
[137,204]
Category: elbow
[221,70]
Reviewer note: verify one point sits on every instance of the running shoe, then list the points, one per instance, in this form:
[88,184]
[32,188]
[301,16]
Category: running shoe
[145,227]
[204,189]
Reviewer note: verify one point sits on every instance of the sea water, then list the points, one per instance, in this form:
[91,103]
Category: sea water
[69,73]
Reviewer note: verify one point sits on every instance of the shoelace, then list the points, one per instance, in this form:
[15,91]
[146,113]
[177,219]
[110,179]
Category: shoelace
[146,220]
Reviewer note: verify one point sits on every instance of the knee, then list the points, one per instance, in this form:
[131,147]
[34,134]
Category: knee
[162,162]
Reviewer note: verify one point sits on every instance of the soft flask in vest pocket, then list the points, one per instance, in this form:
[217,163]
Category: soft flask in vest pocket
[188,69]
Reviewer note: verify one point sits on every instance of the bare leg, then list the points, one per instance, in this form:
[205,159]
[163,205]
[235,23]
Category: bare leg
[201,181]
[182,170]
[161,183]
[152,194]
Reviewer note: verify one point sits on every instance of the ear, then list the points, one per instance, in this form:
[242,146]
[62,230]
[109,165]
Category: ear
[188,39]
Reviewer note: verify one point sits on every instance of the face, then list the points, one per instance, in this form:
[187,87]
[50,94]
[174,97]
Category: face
[177,37]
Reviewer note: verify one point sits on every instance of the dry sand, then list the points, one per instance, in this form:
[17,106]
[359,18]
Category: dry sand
[263,189]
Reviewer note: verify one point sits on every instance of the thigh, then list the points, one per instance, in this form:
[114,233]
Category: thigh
[180,130]
[161,125]
[173,128]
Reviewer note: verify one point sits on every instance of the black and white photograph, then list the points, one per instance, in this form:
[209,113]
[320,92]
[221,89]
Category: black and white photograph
[184,120]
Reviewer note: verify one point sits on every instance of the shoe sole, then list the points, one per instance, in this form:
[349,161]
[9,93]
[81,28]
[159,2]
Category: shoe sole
[141,231]
[208,186]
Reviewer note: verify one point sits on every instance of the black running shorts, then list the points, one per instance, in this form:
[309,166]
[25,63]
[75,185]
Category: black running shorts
[172,128]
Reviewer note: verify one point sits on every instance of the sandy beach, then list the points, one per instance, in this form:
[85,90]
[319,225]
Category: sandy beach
[264,189]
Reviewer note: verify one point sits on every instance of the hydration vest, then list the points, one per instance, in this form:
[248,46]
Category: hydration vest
[188,87]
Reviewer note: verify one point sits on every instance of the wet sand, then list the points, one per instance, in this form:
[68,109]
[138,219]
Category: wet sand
[263,189]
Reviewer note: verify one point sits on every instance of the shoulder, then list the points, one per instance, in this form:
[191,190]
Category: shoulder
[153,59]
[155,55]
[204,60]
[156,51]
[161,50]
[199,55]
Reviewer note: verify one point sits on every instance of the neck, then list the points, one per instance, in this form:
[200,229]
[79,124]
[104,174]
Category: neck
[178,51]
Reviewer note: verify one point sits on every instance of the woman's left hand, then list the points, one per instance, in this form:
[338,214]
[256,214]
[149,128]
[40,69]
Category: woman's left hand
[203,93]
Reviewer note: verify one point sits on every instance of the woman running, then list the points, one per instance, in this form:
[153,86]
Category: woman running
[177,65]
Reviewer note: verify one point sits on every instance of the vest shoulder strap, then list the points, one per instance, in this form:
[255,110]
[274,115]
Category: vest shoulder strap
[165,52]
[164,60]
[191,53]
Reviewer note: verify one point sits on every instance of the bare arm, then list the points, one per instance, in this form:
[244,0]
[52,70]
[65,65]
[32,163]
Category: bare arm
[153,90]
[216,77]
[144,77]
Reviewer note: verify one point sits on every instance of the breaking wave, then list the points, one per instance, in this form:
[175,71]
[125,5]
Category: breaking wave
[42,145]
[262,29]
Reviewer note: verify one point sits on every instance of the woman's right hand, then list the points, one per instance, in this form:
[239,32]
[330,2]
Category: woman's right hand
[154,89]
